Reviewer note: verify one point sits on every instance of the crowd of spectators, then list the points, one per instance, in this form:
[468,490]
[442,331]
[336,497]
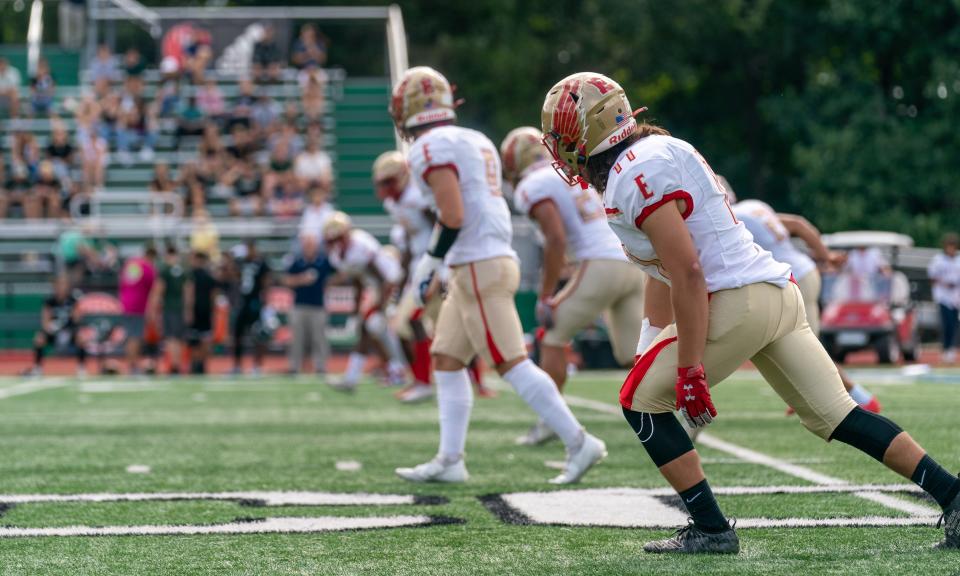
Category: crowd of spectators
[258,150]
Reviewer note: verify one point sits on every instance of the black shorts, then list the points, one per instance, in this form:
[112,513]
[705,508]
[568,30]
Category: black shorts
[67,334]
[173,325]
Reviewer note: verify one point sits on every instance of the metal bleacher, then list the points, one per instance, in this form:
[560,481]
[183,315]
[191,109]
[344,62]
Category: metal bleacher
[357,129]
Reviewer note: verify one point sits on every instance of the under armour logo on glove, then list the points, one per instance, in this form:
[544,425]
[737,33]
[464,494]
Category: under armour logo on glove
[693,396]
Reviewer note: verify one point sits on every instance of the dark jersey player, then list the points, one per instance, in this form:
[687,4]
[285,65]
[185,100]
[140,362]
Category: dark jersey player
[253,281]
[59,325]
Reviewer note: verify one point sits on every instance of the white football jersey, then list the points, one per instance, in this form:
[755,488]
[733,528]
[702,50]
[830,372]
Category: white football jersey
[588,236]
[661,169]
[408,212]
[769,232]
[360,252]
[487,230]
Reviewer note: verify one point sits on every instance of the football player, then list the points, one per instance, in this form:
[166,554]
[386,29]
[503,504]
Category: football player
[459,171]
[772,232]
[358,255]
[729,302]
[413,225]
[59,324]
[572,221]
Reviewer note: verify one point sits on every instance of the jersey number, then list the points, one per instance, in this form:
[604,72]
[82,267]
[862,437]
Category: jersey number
[490,168]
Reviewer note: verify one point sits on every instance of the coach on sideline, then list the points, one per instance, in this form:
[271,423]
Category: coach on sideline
[307,275]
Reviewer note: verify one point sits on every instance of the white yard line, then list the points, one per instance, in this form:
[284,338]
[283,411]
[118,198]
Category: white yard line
[754,457]
[31,386]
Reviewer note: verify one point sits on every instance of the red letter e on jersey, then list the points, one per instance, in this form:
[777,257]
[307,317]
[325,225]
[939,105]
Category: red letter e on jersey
[647,194]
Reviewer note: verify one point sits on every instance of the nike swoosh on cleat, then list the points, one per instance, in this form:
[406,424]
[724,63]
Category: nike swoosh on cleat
[922,477]
[697,495]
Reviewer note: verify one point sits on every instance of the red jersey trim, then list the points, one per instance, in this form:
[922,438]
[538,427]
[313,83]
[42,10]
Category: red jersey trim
[640,369]
[495,354]
[449,165]
[677,195]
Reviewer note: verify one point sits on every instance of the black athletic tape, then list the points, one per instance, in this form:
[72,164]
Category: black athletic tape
[442,240]
[662,436]
[868,432]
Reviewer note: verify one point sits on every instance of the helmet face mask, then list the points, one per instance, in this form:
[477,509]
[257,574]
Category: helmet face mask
[584,114]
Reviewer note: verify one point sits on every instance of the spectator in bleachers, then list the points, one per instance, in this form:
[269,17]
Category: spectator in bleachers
[42,89]
[19,191]
[25,152]
[279,184]
[168,93]
[243,147]
[49,192]
[196,66]
[192,187]
[313,167]
[246,189]
[313,81]
[108,116]
[286,131]
[166,308]
[133,64]
[210,100]
[95,157]
[137,126]
[317,212]
[266,57]
[59,325]
[265,112]
[60,151]
[87,118]
[161,183]
[242,107]
[136,281]
[307,276]
[10,81]
[190,121]
[310,49]
[204,236]
[104,66]
[211,161]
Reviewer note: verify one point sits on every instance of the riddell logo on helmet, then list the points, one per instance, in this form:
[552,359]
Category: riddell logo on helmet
[436,116]
[617,138]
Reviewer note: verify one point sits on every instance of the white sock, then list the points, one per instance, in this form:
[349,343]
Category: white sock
[454,400]
[355,365]
[540,393]
[860,395]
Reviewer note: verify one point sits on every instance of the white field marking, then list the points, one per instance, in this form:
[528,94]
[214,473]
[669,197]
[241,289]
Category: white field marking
[555,464]
[138,469]
[268,498]
[31,386]
[278,525]
[618,507]
[784,466]
[348,466]
[112,386]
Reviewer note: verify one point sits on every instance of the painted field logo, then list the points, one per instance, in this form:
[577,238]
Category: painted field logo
[661,508]
[275,525]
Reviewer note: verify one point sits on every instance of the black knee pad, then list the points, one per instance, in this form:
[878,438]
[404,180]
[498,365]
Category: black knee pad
[866,431]
[662,435]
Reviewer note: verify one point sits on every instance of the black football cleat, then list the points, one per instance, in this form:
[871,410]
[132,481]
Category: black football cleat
[951,526]
[692,540]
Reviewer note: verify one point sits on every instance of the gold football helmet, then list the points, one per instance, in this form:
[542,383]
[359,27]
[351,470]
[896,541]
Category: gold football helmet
[391,165]
[521,149]
[421,96]
[336,226]
[584,114]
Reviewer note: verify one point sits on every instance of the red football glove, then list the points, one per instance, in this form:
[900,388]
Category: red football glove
[693,396]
